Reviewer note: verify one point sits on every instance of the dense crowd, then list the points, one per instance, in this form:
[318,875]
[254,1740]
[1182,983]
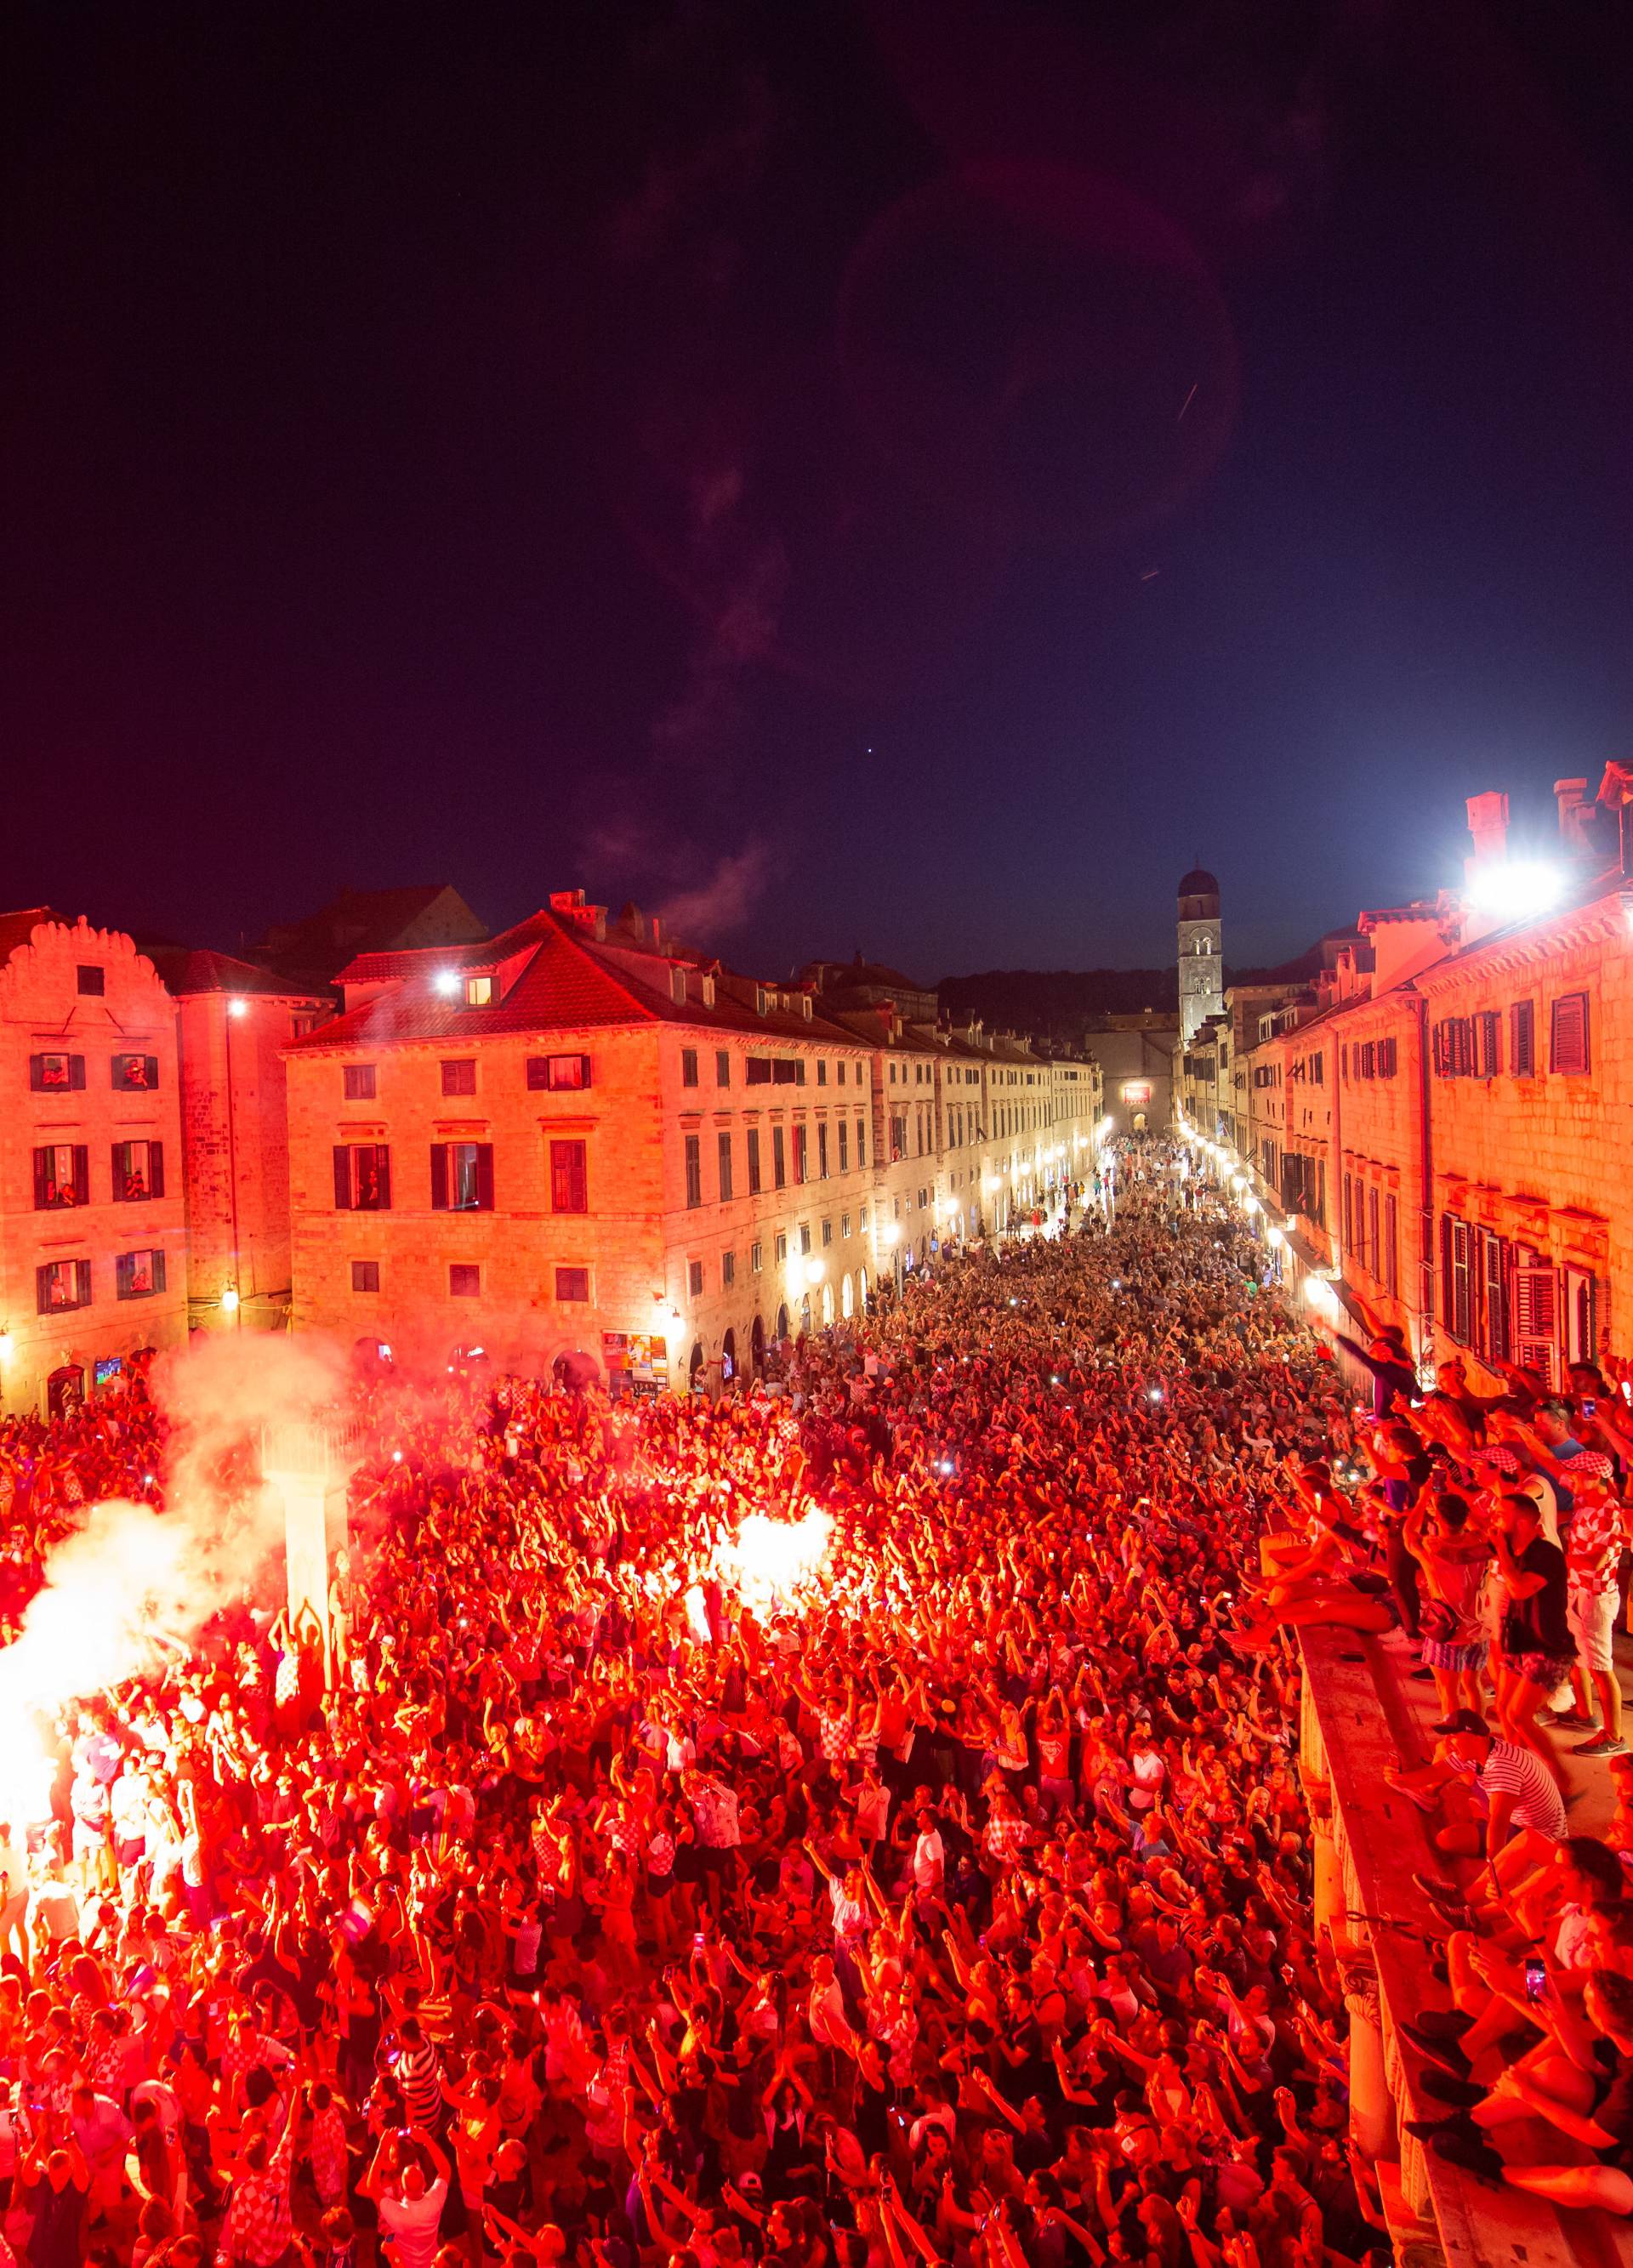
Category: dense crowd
[580,1896]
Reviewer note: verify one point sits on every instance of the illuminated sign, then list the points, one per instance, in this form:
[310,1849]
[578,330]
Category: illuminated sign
[1136,1090]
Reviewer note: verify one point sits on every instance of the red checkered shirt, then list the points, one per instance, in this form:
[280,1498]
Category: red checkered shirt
[258,2225]
[1593,1544]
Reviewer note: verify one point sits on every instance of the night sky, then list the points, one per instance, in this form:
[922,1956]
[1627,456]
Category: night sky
[912,476]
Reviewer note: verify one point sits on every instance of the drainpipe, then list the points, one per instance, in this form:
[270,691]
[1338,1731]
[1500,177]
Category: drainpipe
[1426,1183]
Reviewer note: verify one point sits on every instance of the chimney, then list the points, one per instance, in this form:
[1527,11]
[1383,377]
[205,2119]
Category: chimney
[1488,823]
[1575,814]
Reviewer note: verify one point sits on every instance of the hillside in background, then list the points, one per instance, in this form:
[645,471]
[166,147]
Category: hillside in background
[1056,1003]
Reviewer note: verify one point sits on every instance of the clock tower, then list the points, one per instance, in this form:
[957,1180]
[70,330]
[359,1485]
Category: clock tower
[1201,965]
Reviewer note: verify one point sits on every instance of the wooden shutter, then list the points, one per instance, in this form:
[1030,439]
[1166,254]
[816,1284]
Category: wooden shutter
[76,1070]
[82,1175]
[1454,1265]
[484,1176]
[439,1177]
[82,1282]
[1494,1298]
[1568,1046]
[42,1291]
[383,1158]
[1375,1258]
[42,1176]
[122,1276]
[159,1272]
[342,1177]
[1391,1244]
[156,1169]
[1522,1038]
[1536,1320]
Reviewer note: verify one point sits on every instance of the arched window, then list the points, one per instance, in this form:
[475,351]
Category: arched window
[845,1296]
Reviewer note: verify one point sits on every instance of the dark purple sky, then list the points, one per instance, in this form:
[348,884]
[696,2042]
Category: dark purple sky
[911,476]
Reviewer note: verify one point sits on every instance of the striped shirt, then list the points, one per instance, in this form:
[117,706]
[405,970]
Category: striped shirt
[1510,1771]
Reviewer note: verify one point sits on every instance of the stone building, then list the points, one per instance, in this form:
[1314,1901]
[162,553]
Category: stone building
[581,1144]
[1138,1057]
[1440,1123]
[234,1020]
[92,1238]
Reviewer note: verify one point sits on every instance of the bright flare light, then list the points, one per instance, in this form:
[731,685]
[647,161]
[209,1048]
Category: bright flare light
[1516,889]
[770,1560]
[229,1300]
[238,1007]
[446,980]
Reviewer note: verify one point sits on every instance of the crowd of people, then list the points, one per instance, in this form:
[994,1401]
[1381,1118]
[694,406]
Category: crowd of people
[578,1895]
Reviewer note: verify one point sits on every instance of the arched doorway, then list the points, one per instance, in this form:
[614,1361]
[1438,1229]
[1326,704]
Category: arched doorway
[728,1356]
[805,1314]
[861,1289]
[846,1294]
[756,1347]
[782,1320]
[694,1369]
[65,1390]
[827,1305]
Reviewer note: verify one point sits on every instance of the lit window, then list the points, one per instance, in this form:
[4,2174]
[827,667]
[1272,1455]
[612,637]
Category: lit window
[50,1074]
[461,1177]
[134,1074]
[138,1275]
[478,991]
[558,1074]
[62,1176]
[138,1172]
[62,1284]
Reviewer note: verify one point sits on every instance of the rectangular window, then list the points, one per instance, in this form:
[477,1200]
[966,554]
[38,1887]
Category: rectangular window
[55,1074]
[694,1279]
[862,1144]
[62,1284]
[1568,1035]
[362,1177]
[845,1145]
[862,1219]
[1487,1043]
[92,982]
[572,1283]
[822,1153]
[478,991]
[569,1177]
[827,1232]
[729,1268]
[138,1275]
[694,1170]
[134,1074]
[1391,1242]
[779,1161]
[359,1082]
[757,1072]
[822,1070]
[805,1236]
[845,1224]
[722,1144]
[756,1257]
[1318,1064]
[1536,1319]
[464,1280]
[557,1074]
[1522,1039]
[722,1067]
[801,1166]
[688,1066]
[62,1176]
[754,1161]
[459,1078]
[461,1177]
[365,1275]
[138,1172]
[1388,1056]
[780,1247]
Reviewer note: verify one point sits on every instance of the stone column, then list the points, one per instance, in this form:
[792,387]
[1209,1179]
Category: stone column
[1372,2112]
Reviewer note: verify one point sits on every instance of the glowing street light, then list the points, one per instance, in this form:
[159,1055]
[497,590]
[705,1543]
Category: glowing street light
[445,981]
[238,1007]
[229,1300]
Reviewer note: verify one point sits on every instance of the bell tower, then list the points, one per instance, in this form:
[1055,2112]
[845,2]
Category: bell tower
[1202,963]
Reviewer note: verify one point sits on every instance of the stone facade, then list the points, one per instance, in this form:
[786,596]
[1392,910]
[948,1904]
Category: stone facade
[234,1023]
[576,1139]
[1200,953]
[93,1240]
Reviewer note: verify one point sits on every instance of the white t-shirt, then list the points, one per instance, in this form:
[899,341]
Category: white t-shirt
[929,1860]
[411,2224]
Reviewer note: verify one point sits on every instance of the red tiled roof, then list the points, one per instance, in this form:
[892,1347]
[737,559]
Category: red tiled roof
[572,982]
[186,971]
[17,929]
